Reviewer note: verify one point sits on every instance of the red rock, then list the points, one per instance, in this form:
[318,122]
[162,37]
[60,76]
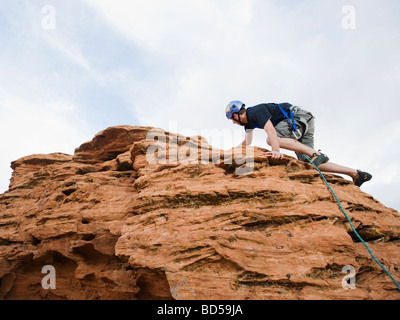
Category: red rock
[110,143]
[186,221]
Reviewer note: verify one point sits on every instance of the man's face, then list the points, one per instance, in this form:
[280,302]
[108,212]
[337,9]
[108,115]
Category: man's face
[235,119]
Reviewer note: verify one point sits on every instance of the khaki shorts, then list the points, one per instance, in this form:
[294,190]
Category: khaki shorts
[305,124]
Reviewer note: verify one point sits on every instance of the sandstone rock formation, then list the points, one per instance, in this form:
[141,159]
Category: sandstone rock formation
[187,222]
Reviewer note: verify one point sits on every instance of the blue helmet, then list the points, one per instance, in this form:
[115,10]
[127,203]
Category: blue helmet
[233,107]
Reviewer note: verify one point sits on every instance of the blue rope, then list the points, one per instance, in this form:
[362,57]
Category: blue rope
[355,232]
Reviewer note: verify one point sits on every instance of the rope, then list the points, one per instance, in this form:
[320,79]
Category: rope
[355,232]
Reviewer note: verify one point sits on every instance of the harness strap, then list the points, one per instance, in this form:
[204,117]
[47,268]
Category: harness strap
[287,117]
[296,132]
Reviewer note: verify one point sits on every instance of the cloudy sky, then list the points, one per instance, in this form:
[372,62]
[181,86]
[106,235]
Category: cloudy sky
[69,69]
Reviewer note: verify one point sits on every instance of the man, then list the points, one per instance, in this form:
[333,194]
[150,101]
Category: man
[288,127]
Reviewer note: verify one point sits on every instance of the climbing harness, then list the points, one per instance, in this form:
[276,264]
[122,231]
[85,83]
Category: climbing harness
[296,132]
[355,232]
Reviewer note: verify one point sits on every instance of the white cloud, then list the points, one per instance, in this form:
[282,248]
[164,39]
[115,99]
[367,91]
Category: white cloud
[27,129]
[62,44]
[63,106]
[168,25]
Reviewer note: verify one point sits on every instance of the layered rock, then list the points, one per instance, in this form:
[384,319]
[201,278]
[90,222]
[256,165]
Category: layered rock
[140,213]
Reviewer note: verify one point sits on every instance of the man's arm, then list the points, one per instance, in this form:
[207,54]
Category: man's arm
[248,139]
[273,140]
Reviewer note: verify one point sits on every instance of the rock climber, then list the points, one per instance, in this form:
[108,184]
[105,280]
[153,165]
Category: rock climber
[288,127]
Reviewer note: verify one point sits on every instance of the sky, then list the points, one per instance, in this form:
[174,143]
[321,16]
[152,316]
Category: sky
[69,69]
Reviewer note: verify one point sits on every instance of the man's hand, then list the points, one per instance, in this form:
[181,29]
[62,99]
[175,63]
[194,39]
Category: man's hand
[273,141]
[274,154]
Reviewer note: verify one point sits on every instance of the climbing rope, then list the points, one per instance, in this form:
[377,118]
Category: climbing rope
[351,224]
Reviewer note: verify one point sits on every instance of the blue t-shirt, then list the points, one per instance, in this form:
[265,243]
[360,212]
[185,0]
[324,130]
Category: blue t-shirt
[259,115]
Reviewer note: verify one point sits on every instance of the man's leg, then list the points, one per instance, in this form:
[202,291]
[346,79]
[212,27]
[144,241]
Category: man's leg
[337,168]
[296,146]
[306,147]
